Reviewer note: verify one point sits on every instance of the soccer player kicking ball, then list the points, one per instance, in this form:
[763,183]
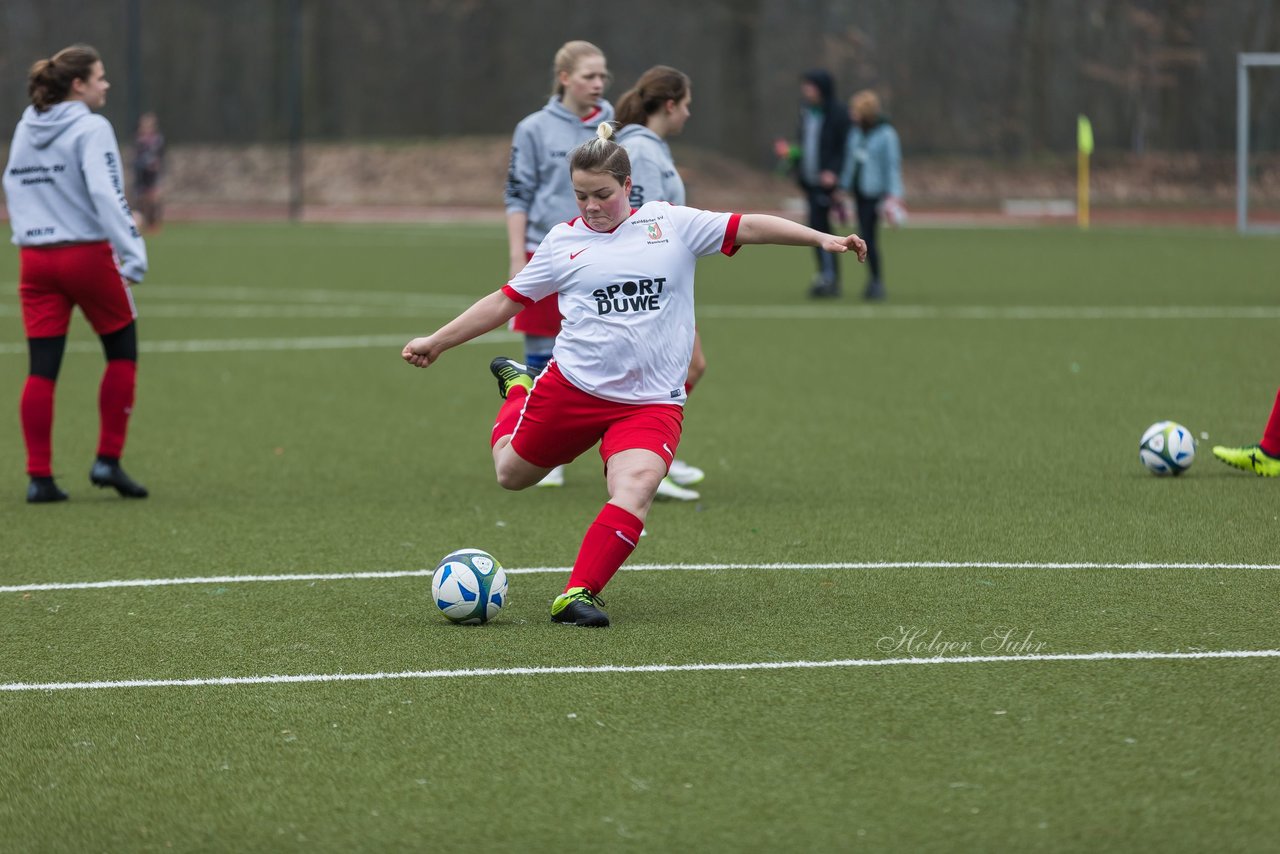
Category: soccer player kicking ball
[1263,459]
[624,281]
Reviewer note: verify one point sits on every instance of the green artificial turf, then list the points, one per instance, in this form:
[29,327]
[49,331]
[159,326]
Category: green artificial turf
[988,413]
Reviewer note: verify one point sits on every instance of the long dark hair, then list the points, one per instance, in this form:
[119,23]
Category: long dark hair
[49,81]
[655,87]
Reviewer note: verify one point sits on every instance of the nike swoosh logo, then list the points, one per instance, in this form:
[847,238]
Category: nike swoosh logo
[573,255]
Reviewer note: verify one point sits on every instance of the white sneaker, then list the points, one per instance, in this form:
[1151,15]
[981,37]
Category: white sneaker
[668,488]
[555,477]
[684,474]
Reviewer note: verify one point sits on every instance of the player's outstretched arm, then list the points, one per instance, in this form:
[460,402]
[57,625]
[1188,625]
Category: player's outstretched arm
[487,314]
[764,228]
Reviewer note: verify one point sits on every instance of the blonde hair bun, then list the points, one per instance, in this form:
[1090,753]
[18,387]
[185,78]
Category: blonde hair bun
[604,131]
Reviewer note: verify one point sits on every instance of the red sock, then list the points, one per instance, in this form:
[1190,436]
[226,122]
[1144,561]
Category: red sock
[1271,438]
[115,403]
[508,414]
[609,541]
[37,425]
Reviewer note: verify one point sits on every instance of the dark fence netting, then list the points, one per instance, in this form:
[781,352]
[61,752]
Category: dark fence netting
[235,82]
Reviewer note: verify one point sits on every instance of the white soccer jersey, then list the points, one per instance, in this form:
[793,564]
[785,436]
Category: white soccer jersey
[626,297]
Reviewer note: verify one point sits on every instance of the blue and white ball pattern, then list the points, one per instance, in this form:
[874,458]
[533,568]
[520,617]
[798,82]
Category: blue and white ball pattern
[469,586]
[1167,448]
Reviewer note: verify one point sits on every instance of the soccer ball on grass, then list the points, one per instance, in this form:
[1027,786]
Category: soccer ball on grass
[1167,448]
[469,586]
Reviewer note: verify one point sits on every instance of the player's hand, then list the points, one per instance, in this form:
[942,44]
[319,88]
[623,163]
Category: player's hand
[420,352]
[852,243]
[782,149]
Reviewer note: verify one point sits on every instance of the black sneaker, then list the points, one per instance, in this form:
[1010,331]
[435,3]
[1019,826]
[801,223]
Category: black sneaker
[511,373]
[42,490]
[874,291]
[106,473]
[823,287]
[579,607]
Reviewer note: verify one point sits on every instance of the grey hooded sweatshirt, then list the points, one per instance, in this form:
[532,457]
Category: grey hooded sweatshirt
[653,172]
[538,180]
[64,184]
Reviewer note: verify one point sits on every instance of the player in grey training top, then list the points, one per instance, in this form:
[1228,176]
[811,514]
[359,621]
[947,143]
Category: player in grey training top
[78,246]
[655,108]
[539,194]
[538,177]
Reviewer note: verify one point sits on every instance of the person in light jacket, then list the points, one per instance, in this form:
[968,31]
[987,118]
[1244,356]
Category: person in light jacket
[64,186]
[656,108]
[539,195]
[872,176]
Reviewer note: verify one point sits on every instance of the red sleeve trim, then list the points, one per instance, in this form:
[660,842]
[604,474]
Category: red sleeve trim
[513,294]
[730,235]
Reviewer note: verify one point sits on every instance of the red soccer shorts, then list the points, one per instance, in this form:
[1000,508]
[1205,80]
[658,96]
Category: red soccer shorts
[561,421]
[53,280]
[542,318]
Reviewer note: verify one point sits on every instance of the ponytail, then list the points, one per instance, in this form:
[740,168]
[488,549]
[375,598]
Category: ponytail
[655,87]
[49,80]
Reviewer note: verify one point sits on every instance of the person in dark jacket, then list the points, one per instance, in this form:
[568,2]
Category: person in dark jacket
[817,160]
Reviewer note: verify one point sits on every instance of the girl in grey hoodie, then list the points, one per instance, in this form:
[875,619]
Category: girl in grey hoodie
[655,108]
[539,194]
[64,187]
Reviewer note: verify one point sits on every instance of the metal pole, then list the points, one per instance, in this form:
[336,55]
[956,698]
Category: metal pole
[1242,142]
[1244,61]
[133,58]
[294,108]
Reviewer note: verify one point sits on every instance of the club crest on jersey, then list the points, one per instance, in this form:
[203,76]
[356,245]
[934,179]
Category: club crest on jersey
[623,297]
[655,231]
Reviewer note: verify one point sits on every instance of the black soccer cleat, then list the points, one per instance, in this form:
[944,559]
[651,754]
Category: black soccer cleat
[824,288]
[511,373]
[579,607]
[106,473]
[42,490]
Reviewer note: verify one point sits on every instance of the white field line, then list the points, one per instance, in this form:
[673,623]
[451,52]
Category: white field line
[250,345]
[314,296]
[283,679]
[640,567]
[298,296]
